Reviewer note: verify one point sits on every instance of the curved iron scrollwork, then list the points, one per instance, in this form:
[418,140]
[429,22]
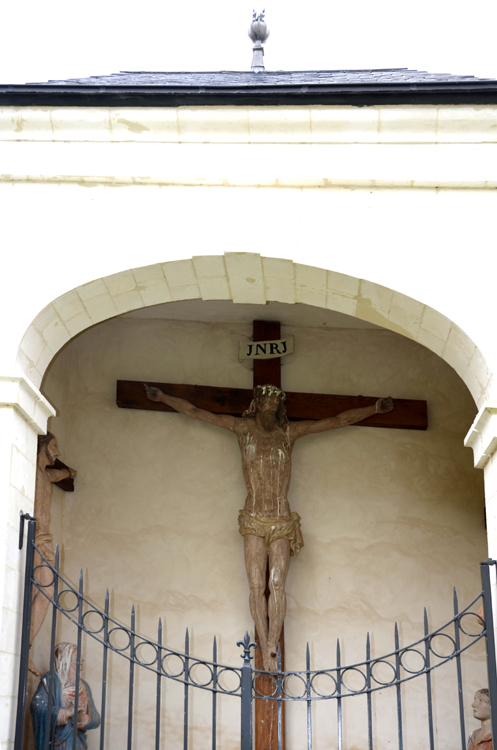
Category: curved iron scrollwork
[435,649]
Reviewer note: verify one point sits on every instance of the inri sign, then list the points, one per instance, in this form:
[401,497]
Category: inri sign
[265,349]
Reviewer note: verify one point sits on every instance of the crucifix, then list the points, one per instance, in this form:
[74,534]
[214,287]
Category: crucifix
[266,437]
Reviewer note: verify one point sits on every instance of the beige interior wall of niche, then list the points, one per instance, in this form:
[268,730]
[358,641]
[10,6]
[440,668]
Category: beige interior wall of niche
[391,519]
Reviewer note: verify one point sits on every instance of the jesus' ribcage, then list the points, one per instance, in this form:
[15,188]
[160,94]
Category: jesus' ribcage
[266,462]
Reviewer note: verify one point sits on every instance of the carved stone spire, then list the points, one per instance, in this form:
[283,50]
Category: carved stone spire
[259,33]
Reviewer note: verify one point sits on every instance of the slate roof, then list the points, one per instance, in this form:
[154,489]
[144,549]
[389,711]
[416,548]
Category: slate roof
[397,85]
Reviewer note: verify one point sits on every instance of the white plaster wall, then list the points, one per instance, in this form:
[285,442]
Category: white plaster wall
[391,519]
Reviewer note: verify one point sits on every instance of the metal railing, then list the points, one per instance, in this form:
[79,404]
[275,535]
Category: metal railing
[180,667]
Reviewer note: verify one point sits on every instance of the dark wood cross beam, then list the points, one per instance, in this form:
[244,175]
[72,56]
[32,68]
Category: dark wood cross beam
[407,414]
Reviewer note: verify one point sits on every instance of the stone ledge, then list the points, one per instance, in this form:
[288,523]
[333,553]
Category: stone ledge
[482,436]
[19,393]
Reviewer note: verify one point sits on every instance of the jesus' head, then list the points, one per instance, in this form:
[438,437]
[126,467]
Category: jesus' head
[268,404]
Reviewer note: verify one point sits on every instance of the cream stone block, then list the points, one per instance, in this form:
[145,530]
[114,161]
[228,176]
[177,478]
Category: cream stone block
[156,294]
[477,377]
[11,582]
[9,665]
[22,473]
[214,288]
[426,338]
[467,124]
[211,277]
[69,305]
[77,124]
[458,350]
[213,125]
[310,285]
[435,323]
[245,277]
[344,124]
[26,123]
[9,640]
[32,345]
[148,275]
[408,124]
[144,124]
[181,279]
[341,303]
[119,283]
[128,301]
[79,323]
[179,273]
[45,358]
[406,313]
[56,334]
[46,316]
[279,280]
[373,302]
[343,284]
[100,307]
[92,289]
[273,125]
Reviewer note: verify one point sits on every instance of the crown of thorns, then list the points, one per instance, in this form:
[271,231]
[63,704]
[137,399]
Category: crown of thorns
[269,390]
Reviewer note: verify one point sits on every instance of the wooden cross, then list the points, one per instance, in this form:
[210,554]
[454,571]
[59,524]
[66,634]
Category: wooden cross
[407,414]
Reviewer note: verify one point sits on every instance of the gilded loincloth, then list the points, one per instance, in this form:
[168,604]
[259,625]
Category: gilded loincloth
[271,528]
[44,543]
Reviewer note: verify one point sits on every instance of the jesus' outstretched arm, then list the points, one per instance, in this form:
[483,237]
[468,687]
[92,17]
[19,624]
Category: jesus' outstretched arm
[352,416]
[189,410]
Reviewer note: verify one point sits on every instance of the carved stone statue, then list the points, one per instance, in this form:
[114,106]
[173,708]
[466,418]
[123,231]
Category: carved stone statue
[61,721]
[48,452]
[271,532]
[481,739]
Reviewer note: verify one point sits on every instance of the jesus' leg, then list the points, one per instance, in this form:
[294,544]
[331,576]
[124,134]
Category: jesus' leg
[279,561]
[255,564]
[41,601]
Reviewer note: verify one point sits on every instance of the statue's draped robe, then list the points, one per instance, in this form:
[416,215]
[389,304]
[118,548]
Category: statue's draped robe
[63,734]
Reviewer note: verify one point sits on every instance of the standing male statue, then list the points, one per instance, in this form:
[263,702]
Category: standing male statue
[48,452]
[271,533]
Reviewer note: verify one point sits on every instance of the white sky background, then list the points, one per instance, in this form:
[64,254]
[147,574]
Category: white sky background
[60,39]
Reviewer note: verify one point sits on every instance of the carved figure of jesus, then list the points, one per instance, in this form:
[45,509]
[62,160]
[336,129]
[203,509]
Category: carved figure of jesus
[271,532]
[48,452]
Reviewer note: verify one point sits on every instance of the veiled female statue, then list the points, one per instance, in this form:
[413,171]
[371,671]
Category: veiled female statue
[61,722]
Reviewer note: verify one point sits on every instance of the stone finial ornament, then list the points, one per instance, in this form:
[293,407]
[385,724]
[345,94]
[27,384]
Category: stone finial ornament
[258,32]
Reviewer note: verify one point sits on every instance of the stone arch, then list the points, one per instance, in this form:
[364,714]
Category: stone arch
[251,279]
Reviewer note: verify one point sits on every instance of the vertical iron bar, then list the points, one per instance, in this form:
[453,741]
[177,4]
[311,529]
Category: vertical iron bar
[279,690]
[187,680]
[308,691]
[214,693]
[104,670]
[368,687]
[159,685]
[428,683]
[339,699]
[399,696]
[459,671]
[246,695]
[78,662]
[489,627]
[25,628]
[49,687]
[131,676]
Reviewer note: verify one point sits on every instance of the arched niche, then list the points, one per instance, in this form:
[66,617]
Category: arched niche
[248,278]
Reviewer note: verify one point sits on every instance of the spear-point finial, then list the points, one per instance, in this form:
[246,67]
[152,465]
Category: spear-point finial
[259,33]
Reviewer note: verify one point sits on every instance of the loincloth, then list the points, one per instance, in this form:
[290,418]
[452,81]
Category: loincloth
[44,544]
[271,528]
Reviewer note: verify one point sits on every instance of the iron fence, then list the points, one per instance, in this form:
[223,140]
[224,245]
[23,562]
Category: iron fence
[161,660]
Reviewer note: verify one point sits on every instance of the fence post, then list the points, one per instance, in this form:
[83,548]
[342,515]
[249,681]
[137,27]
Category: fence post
[246,693]
[26,627]
[489,627]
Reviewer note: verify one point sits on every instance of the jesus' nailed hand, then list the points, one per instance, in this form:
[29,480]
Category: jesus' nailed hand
[271,532]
